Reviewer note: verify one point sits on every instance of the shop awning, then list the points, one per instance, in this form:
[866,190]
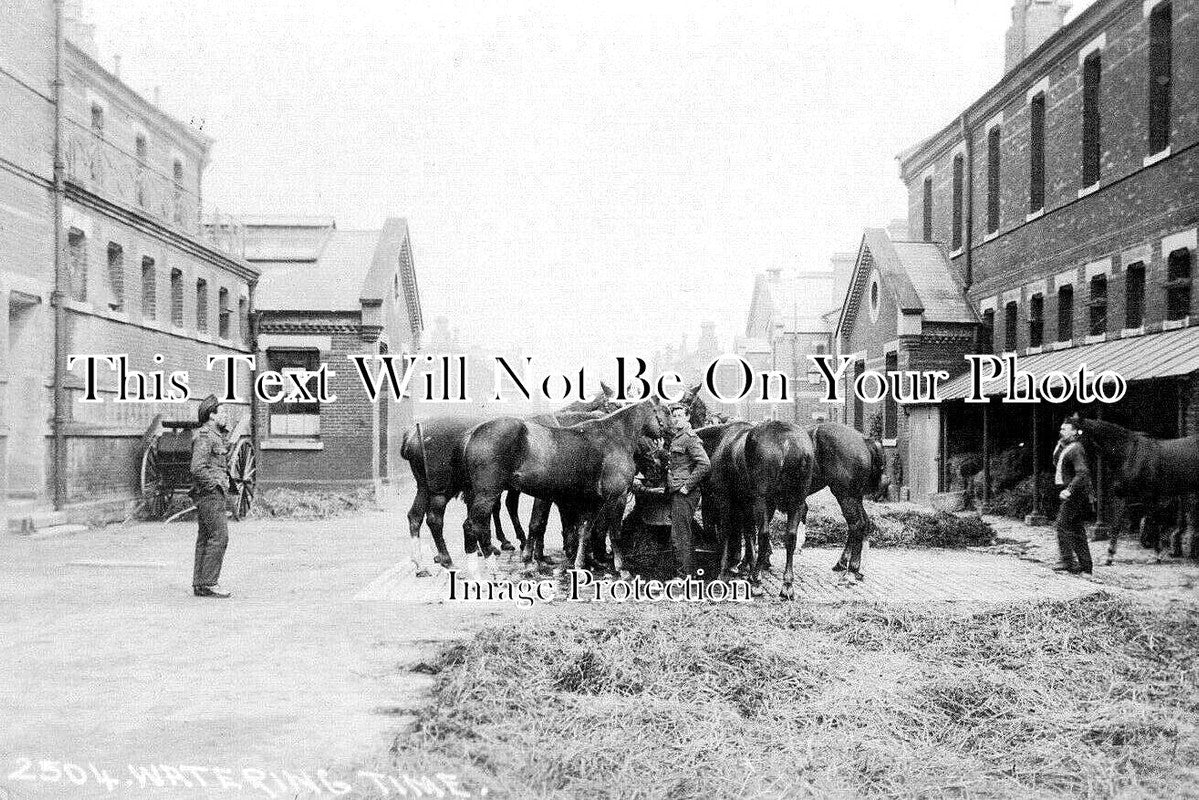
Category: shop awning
[1136,358]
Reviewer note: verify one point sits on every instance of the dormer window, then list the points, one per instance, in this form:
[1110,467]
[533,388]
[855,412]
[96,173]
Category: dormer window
[97,119]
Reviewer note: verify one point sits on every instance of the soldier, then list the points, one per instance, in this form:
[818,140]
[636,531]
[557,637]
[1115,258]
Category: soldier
[1071,473]
[687,464]
[210,483]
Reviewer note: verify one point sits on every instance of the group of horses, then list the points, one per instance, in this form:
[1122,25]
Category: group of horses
[583,459]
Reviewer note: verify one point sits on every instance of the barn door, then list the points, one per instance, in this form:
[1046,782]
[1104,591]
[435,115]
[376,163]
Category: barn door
[924,451]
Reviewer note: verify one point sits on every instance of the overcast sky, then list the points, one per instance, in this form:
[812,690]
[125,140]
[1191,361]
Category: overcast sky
[586,179]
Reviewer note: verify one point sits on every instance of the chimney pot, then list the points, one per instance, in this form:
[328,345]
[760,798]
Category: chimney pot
[1033,22]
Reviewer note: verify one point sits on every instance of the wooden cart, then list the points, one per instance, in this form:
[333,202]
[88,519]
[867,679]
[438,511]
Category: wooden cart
[166,466]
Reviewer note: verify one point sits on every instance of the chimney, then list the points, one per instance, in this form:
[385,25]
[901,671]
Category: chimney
[76,28]
[774,273]
[116,65]
[1033,22]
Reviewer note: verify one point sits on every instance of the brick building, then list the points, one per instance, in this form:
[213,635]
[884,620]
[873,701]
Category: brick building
[108,256]
[785,324]
[325,294]
[1066,198]
[904,310]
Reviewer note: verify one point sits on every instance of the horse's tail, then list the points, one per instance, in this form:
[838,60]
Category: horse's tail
[878,459]
[413,451]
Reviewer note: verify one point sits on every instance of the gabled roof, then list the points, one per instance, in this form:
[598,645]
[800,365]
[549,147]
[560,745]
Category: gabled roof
[796,300]
[918,275]
[346,268]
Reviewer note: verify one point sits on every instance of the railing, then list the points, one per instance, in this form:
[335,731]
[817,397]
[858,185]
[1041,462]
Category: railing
[100,166]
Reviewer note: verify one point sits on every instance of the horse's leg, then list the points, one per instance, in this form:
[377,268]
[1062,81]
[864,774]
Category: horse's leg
[613,517]
[512,502]
[582,537]
[763,530]
[505,545]
[435,519]
[416,517]
[1121,516]
[537,523]
[795,517]
[859,528]
[480,507]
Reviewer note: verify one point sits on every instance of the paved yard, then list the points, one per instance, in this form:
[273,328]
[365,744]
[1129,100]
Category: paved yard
[108,660]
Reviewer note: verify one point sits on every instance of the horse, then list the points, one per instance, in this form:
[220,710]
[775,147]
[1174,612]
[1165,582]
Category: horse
[586,470]
[1145,469]
[757,470]
[433,450]
[851,466]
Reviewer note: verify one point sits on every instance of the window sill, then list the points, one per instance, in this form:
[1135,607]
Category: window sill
[1153,158]
[1130,332]
[1174,324]
[1032,351]
[890,442]
[1095,339]
[292,444]
[1040,212]
[1086,190]
[1066,345]
[957,252]
[990,236]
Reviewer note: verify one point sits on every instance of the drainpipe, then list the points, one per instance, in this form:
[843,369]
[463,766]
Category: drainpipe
[57,296]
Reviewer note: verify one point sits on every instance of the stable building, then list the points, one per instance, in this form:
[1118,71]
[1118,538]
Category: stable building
[325,294]
[1065,198]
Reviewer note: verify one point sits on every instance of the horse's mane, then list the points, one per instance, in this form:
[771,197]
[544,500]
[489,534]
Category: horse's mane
[1110,437]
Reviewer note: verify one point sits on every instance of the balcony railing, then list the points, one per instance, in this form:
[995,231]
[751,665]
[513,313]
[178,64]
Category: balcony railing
[104,169]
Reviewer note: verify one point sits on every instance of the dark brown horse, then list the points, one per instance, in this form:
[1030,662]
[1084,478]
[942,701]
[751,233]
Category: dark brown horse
[434,451]
[586,469]
[756,471]
[1145,469]
[851,466]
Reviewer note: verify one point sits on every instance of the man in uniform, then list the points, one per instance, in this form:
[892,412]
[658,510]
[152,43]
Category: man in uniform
[1074,478]
[210,483]
[687,464]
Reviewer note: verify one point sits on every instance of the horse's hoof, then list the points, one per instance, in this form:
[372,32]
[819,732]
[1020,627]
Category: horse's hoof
[858,575]
[787,593]
[838,567]
[444,561]
[625,575]
[755,590]
[423,573]
[1109,562]
[507,547]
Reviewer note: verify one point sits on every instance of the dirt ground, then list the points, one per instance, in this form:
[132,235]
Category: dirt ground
[116,682]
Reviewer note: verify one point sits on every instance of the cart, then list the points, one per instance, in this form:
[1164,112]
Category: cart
[166,466]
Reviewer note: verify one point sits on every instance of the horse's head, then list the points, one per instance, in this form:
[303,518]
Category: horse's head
[697,409]
[656,420]
[1111,440]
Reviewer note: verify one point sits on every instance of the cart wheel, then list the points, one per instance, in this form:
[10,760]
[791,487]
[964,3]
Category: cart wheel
[243,470]
[155,496]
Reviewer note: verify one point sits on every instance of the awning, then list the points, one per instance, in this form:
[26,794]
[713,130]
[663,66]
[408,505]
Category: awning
[1136,358]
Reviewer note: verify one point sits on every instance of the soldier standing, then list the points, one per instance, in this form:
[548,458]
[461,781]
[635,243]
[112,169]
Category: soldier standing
[687,464]
[210,483]
[1074,478]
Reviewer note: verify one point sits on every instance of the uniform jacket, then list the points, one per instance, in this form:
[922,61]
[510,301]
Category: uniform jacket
[1071,471]
[210,459]
[686,462]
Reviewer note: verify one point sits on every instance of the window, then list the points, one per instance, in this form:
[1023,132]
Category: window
[149,290]
[77,263]
[97,119]
[1036,321]
[201,305]
[993,180]
[958,187]
[1134,295]
[859,412]
[223,313]
[1160,56]
[1178,284]
[116,277]
[299,418]
[177,192]
[1065,313]
[986,338]
[177,298]
[1090,119]
[243,319]
[1010,314]
[890,407]
[139,145]
[1036,153]
[1098,305]
[928,209]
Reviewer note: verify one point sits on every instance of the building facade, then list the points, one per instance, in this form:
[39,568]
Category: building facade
[326,294]
[109,257]
[1066,199]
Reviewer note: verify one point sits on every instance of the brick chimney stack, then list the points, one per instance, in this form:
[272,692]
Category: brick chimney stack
[1033,22]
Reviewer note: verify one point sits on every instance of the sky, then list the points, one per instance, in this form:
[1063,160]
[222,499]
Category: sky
[581,180]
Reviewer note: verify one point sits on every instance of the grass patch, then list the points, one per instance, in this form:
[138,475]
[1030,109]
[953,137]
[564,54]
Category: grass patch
[895,528]
[1092,697]
[292,504]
